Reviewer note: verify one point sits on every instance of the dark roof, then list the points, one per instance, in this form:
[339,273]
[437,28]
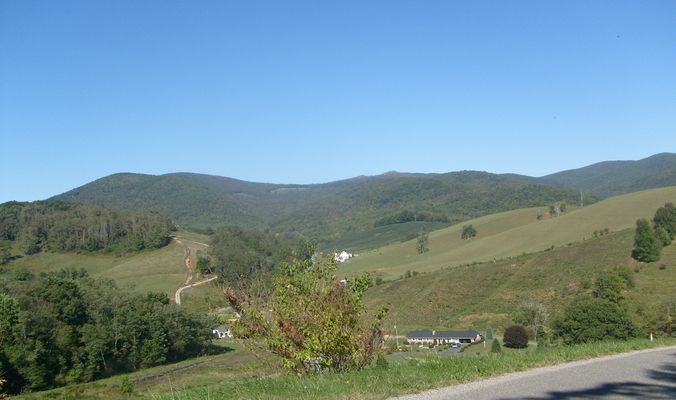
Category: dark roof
[443,334]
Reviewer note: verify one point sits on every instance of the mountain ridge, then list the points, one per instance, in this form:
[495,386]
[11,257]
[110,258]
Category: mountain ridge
[329,210]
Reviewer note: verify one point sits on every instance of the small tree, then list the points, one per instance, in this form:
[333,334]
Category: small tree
[646,246]
[516,337]
[660,233]
[531,314]
[468,232]
[312,320]
[665,217]
[421,245]
[495,347]
[610,284]
[489,332]
[203,265]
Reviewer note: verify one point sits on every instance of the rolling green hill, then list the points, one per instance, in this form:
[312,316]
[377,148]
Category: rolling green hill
[324,212]
[617,177]
[472,296]
[160,270]
[510,234]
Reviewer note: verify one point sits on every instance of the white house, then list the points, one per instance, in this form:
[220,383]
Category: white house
[443,337]
[342,256]
[222,332]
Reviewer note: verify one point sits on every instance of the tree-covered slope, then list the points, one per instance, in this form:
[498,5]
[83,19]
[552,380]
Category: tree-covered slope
[610,178]
[321,211]
[71,227]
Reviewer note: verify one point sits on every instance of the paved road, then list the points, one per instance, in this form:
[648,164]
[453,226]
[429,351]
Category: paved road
[647,374]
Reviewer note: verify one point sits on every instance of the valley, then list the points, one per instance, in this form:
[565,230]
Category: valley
[518,255]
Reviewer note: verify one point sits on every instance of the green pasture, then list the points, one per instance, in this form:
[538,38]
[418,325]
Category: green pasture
[510,234]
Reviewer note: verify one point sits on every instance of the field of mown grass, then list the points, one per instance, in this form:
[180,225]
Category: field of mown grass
[159,270]
[510,234]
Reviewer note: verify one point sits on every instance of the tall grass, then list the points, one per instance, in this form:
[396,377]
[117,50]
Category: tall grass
[407,375]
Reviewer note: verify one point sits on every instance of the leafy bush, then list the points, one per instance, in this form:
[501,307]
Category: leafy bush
[311,320]
[516,337]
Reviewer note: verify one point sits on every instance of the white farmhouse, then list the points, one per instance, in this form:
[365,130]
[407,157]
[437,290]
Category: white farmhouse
[342,256]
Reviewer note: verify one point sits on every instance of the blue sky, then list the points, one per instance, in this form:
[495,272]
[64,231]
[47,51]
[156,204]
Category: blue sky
[305,92]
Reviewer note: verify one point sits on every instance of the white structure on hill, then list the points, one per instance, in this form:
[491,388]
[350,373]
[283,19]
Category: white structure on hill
[342,256]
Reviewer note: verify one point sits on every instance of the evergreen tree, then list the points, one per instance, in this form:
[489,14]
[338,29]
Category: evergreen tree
[646,246]
[495,347]
[489,332]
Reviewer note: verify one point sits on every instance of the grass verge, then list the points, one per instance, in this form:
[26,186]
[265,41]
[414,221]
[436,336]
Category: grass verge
[406,375]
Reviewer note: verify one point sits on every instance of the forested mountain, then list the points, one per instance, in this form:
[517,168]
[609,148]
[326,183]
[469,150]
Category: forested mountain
[320,211]
[62,226]
[611,178]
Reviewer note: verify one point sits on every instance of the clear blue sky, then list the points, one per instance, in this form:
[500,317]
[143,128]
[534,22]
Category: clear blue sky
[301,92]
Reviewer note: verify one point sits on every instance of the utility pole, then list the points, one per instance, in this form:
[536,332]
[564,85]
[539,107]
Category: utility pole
[396,336]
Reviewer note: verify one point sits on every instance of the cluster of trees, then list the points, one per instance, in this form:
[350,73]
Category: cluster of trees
[240,255]
[311,319]
[410,216]
[59,226]
[468,232]
[603,316]
[66,327]
[650,239]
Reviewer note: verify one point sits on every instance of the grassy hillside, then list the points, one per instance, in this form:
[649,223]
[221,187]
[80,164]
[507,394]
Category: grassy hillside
[150,270]
[510,234]
[616,177]
[328,212]
[472,296]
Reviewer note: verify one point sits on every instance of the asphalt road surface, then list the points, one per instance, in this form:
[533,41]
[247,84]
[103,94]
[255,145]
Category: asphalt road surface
[647,374]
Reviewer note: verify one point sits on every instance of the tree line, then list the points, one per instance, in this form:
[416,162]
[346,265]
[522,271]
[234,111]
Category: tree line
[411,216]
[60,226]
[66,327]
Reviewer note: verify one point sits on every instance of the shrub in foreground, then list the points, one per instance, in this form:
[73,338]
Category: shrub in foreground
[312,320]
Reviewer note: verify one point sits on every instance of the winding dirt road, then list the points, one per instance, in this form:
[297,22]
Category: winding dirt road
[189,267]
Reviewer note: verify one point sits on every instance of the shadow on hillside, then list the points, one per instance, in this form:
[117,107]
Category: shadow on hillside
[662,387]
